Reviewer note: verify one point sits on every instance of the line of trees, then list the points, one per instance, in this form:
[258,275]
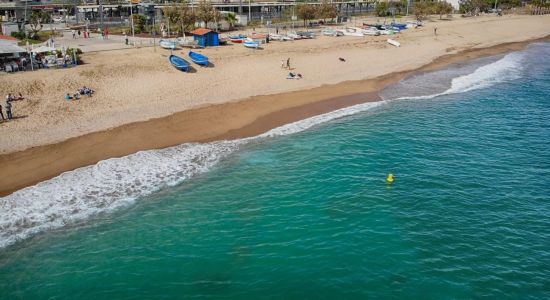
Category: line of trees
[181,16]
[423,8]
[324,11]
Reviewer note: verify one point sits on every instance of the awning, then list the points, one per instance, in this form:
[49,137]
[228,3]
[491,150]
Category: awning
[6,48]
[43,49]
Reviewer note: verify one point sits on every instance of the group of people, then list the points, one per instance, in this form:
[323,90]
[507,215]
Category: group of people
[84,91]
[9,99]
[285,65]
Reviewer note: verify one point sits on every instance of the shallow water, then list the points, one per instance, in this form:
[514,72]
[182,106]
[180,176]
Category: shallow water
[309,215]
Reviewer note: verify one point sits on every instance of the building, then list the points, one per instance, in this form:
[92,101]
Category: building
[206,37]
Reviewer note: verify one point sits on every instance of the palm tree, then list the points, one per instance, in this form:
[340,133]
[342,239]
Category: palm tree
[231,19]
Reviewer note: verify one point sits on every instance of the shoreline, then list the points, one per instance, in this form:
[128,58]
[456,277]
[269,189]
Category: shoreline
[233,120]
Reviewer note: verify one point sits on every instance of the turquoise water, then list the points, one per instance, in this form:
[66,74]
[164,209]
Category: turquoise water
[309,215]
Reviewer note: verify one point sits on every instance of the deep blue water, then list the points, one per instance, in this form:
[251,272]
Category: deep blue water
[310,215]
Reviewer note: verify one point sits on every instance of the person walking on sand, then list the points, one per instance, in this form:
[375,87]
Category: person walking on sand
[2,114]
[79,33]
[74,34]
[282,63]
[435,31]
[288,63]
[126,38]
[8,110]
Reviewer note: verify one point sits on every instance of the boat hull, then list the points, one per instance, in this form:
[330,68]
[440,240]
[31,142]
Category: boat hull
[198,58]
[179,63]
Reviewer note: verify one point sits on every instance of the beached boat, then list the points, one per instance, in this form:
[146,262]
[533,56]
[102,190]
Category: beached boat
[179,63]
[371,31]
[306,34]
[399,26]
[286,38]
[350,31]
[186,42]
[329,32]
[198,58]
[250,43]
[223,40]
[294,36]
[275,37]
[394,43]
[167,44]
[237,38]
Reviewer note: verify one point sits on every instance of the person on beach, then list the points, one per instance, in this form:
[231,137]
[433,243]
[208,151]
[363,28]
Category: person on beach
[126,38]
[2,114]
[79,33]
[288,63]
[68,97]
[8,110]
[435,31]
[74,34]
[283,63]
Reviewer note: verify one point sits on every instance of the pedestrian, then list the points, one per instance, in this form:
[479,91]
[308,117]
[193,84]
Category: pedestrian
[74,34]
[126,38]
[103,34]
[8,110]
[288,63]
[277,29]
[435,30]
[106,33]
[2,114]
[282,63]
[79,33]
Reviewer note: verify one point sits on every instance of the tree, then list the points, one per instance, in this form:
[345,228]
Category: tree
[139,23]
[472,7]
[422,9]
[327,11]
[306,12]
[381,9]
[443,8]
[180,16]
[205,12]
[36,21]
[231,18]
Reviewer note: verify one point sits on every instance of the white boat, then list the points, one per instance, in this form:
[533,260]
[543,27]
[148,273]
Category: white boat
[394,43]
[329,32]
[286,38]
[250,43]
[167,44]
[294,36]
[275,37]
[349,31]
[371,31]
[187,42]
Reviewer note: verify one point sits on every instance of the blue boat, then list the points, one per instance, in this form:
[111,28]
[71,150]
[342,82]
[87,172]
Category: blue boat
[179,63]
[198,58]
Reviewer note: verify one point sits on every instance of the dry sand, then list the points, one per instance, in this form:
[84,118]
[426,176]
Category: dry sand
[139,84]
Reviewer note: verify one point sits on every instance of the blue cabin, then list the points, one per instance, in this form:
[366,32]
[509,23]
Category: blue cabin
[206,37]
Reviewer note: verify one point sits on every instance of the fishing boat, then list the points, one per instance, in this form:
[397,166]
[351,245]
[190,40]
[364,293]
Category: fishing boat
[186,42]
[294,36]
[198,58]
[286,38]
[250,43]
[306,34]
[399,26]
[179,63]
[275,37]
[371,31]
[394,43]
[167,44]
[223,40]
[237,38]
[328,32]
[351,31]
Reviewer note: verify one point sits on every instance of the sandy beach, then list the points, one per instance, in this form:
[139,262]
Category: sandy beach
[245,93]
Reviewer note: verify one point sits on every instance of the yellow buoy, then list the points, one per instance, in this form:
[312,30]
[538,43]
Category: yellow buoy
[390,178]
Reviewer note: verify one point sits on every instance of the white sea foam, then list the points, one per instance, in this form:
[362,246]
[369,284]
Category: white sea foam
[505,69]
[77,195]
[113,183]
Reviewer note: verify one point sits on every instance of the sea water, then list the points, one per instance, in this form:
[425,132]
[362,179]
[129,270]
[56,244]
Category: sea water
[304,211]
